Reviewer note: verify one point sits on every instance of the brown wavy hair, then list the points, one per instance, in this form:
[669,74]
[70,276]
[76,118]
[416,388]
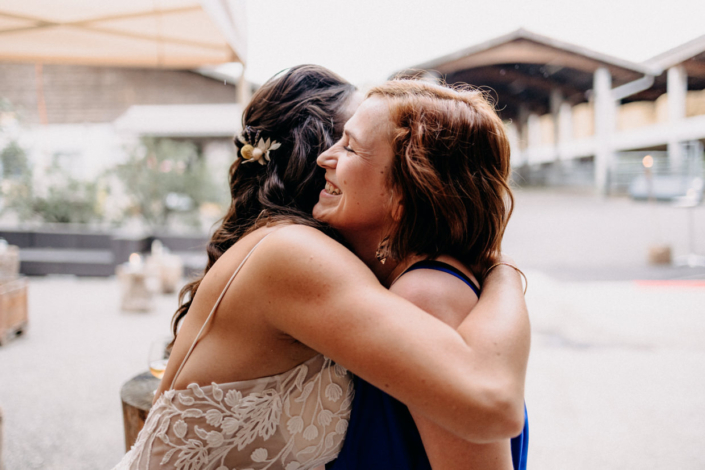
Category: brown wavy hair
[303,108]
[451,168]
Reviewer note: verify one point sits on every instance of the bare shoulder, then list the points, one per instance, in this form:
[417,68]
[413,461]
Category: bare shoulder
[297,254]
[284,253]
[438,293]
[302,243]
[301,238]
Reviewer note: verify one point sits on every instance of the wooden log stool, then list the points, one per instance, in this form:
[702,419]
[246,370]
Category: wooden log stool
[137,395]
[13,308]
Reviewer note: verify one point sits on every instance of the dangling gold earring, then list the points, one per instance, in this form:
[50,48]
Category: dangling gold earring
[382,250]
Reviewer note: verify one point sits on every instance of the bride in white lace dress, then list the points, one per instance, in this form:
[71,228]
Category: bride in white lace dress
[251,382]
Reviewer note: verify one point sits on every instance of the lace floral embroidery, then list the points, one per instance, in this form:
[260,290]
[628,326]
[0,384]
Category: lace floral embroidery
[213,427]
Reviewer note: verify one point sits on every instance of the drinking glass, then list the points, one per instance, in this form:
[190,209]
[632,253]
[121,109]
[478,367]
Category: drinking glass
[159,356]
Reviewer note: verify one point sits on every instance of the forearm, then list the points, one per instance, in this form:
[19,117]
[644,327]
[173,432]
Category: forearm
[494,366]
[446,451]
[498,332]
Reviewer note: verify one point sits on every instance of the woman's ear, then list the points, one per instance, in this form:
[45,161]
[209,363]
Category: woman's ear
[397,212]
[397,206]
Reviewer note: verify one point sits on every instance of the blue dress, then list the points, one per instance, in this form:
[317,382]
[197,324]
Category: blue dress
[382,434]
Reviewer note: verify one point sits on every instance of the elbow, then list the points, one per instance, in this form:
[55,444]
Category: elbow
[503,417]
[508,412]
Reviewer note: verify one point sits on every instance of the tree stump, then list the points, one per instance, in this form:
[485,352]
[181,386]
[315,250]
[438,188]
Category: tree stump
[13,308]
[137,395]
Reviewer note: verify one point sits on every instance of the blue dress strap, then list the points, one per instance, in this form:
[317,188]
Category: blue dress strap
[446,268]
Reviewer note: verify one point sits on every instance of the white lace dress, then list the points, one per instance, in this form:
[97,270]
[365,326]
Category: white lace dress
[294,421]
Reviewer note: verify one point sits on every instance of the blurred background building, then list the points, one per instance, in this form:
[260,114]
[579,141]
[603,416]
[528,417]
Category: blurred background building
[83,117]
[139,53]
[116,118]
[86,79]
[579,117]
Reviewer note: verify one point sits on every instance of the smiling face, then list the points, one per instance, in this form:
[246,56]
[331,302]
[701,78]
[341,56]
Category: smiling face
[357,200]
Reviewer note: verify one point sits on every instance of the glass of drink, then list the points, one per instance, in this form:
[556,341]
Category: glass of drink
[159,356]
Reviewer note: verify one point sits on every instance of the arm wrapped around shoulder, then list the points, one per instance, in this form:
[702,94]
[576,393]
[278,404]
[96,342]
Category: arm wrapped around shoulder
[319,293]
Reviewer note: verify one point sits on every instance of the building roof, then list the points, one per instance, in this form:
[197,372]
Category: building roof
[523,46]
[524,69]
[690,54]
[193,120]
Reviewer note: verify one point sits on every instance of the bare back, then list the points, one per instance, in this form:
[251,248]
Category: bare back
[245,344]
[296,417]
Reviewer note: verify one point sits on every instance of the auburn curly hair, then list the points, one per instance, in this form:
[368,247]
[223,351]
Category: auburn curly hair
[451,168]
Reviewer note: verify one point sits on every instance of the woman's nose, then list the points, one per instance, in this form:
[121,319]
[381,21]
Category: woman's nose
[327,159]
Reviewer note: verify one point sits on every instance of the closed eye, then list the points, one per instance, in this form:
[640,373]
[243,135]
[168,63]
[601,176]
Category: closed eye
[348,149]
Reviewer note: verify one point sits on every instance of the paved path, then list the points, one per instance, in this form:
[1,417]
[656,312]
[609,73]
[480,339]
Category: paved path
[580,237]
[59,384]
[615,377]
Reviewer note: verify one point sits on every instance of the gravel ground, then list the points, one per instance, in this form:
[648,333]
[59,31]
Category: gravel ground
[60,383]
[615,375]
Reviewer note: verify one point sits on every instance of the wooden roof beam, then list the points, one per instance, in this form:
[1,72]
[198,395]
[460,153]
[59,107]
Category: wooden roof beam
[512,76]
[694,68]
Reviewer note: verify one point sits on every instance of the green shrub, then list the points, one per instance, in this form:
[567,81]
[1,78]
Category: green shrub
[166,179]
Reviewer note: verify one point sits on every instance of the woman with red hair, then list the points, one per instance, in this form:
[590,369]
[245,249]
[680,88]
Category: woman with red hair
[418,188]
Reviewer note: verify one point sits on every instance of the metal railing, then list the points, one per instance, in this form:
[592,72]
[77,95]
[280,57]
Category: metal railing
[629,171]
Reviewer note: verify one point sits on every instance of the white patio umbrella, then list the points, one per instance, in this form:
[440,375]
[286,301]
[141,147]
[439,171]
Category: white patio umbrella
[182,34]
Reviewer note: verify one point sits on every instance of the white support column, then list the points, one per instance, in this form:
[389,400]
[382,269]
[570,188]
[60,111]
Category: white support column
[605,109]
[565,123]
[533,124]
[513,138]
[243,91]
[555,101]
[677,89]
[523,134]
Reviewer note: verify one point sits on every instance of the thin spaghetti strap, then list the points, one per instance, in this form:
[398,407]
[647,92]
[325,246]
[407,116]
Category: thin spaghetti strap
[210,315]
